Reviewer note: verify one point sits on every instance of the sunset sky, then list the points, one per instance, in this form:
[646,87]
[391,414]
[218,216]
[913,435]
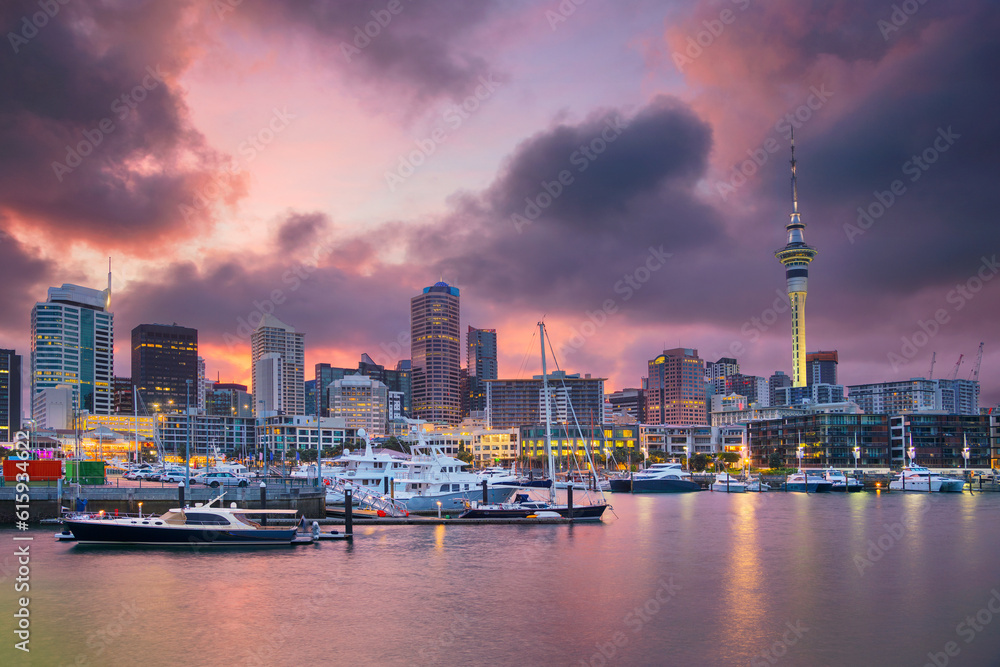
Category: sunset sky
[624,163]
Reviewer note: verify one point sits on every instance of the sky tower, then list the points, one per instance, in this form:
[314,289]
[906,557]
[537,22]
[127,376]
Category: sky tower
[795,257]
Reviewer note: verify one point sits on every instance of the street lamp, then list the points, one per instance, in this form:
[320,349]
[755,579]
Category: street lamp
[799,453]
[913,455]
[966,454]
[857,455]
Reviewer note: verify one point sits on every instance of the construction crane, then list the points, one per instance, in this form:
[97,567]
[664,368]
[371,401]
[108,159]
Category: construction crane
[954,373]
[979,362]
[930,376]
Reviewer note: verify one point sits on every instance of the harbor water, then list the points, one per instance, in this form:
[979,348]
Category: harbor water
[690,579]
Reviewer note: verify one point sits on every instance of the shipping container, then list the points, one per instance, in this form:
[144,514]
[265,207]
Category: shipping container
[85,472]
[38,471]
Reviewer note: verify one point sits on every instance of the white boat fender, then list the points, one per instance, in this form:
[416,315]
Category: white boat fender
[547,515]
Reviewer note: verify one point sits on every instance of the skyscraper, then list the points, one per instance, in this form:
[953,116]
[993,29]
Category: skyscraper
[10,395]
[482,365]
[72,343]
[675,392]
[821,367]
[164,358]
[795,257]
[274,337]
[435,354]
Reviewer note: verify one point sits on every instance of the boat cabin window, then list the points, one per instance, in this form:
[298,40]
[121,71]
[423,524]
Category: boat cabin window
[203,519]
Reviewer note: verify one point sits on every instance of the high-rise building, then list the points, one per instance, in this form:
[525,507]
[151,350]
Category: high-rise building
[954,397]
[482,365]
[72,343]
[959,397]
[361,402]
[268,385]
[821,367]
[675,391]
[397,380]
[753,387]
[795,257]
[164,359]
[204,385]
[228,400]
[776,382]
[10,395]
[273,336]
[435,354]
[516,403]
[719,371]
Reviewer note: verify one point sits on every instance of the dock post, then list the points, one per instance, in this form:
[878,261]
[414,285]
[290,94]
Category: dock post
[569,500]
[263,503]
[486,493]
[348,514]
[180,493]
[385,485]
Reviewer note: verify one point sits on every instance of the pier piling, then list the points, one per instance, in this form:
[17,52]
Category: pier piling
[348,513]
[569,500]
[263,503]
[486,493]
[180,493]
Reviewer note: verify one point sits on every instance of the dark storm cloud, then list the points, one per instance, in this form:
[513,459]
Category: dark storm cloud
[24,274]
[578,207]
[423,47]
[95,140]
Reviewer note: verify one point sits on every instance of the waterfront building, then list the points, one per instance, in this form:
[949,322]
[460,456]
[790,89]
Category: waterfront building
[938,440]
[10,395]
[795,257]
[495,446]
[777,381]
[280,434]
[228,399]
[568,440]
[233,436]
[165,366]
[515,403]
[72,343]
[676,440]
[361,402]
[435,354]
[827,440]
[821,367]
[123,424]
[271,337]
[675,391]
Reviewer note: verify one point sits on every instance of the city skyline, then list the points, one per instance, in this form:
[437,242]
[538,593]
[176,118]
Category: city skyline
[896,280]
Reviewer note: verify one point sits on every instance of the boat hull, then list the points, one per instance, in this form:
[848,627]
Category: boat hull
[528,484]
[846,488]
[579,512]
[621,485]
[730,488]
[810,487]
[456,500]
[664,486]
[110,532]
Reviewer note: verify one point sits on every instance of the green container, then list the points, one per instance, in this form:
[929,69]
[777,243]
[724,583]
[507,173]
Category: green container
[88,472]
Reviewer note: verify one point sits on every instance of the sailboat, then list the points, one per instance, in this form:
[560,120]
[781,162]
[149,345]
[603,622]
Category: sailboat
[591,512]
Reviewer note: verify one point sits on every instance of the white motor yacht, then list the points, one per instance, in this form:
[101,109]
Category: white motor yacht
[726,483]
[919,478]
[841,482]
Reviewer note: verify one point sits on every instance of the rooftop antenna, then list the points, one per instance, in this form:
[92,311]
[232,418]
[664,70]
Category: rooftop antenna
[107,298]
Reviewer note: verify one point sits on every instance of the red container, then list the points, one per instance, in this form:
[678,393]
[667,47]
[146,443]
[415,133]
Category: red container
[38,471]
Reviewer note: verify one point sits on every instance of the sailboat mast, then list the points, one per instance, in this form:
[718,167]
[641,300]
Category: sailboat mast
[135,410]
[548,418]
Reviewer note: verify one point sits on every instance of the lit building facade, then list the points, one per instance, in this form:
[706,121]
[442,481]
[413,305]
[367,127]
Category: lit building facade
[10,395]
[675,392]
[435,354]
[516,403]
[939,440]
[165,366]
[72,343]
[827,440]
[361,402]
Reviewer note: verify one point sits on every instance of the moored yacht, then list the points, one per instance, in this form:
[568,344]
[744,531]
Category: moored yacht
[434,477]
[726,483]
[841,482]
[919,478]
[664,478]
[808,482]
[202,525]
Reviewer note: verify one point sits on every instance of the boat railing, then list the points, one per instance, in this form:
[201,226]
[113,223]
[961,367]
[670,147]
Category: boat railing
[367,498]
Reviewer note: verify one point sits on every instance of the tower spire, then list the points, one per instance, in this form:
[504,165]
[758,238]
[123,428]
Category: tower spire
[107,298]
[795,182]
